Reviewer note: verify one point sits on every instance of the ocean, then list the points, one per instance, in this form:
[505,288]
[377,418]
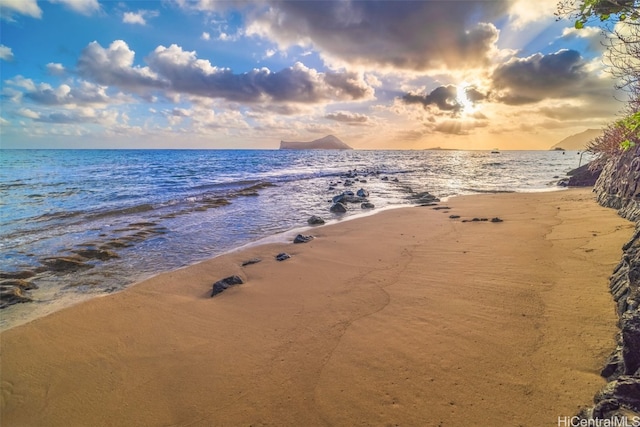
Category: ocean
[85,223]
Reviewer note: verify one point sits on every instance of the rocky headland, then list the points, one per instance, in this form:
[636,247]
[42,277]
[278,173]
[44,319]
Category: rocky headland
[618,187]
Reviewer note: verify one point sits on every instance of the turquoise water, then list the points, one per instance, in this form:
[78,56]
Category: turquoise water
[157,210]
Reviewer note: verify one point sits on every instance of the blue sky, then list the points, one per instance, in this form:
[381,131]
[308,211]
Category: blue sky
[247,74]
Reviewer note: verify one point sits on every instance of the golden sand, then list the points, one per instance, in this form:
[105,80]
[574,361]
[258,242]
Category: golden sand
[404,318]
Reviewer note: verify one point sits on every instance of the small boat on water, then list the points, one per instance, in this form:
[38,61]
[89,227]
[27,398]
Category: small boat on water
[495,151]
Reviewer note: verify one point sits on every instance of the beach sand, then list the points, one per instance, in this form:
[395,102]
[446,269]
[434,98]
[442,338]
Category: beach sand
[403,318]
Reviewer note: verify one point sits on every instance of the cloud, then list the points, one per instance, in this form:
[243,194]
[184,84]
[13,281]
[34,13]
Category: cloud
[527,80]
[85,7]
[30,114]
[205,36]
[139,17]
[188,74]
[174,70]
[6,54]
[404,35]
[524,12]
[55,69]
[443,97]
[347,117]
[114,66]
[22,7]
[84,93]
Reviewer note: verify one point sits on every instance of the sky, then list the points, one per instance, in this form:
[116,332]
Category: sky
[247,74]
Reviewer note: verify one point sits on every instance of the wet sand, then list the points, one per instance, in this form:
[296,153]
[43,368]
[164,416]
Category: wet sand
[407,317]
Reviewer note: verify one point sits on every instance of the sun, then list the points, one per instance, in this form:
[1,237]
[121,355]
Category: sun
[466,105]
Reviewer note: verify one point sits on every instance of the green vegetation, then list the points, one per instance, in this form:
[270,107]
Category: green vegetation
[620,21]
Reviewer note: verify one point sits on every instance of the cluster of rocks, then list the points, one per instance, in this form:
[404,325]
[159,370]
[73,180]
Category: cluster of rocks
[82,258]
[223,284]
[618,187]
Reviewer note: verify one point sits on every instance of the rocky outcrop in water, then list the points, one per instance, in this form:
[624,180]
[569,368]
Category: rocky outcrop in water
[329,142]
[619,187]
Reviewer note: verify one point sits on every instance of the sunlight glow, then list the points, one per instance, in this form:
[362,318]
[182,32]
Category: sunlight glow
[461,97]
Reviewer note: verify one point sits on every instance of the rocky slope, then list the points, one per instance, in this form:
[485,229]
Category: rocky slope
[578,141]
[619,187]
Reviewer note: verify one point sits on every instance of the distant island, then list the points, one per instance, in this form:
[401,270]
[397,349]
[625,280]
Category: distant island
[329,142]
[578,141]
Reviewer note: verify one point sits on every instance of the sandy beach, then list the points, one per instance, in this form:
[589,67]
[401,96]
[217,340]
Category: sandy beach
[407,317]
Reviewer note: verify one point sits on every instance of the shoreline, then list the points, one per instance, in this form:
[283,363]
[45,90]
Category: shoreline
[56,304]
[386,318]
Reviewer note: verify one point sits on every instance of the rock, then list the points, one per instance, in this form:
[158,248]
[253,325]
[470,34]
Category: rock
[315,220]
[101,254]
[631,341]
[423,198]
[454,216]
[338,198]
[362,193]
[302,239]
[584,176]
[338,208]
[225,283]
[439,208]
[251,261]
[17,275]
[282,256]
[367,205]
[18,283]
[11,296]
[618,187]
[66,264]
[496,219]
[623,392]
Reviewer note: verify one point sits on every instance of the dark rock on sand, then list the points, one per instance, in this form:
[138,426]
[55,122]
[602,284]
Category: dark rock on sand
[496,219]
[454,216]
[439,208]
[251,261]
[302,239]
[423,198]
[315,220]
[225,283]
[338,208]
[282,256]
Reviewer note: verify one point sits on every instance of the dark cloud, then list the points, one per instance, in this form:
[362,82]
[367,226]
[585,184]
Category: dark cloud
[178,71]
[445,98]
[557,75]
[414,35]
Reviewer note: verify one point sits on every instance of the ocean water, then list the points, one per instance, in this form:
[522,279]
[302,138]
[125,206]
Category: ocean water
[124,215]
